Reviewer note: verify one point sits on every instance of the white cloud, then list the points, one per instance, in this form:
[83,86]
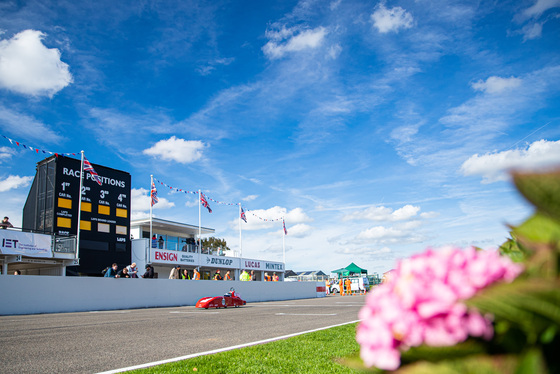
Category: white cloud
[13,182]
[284,41]
[532,31]
[386,20]
[26,127]
[301,230]
[30,68]
[333,5]
[495,84]
[532,15]
[265,219]
[406,212]
[381,213]
[334,51]
[140,202]
[376,235]
[363,251]
[212,65]
[250,198]
[379,233]
[537,9]
[493,167]
[429,215]
[405,133]
[6,153]
[174,149]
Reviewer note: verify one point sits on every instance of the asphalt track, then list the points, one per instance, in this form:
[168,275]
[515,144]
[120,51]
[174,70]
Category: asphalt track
[93,342]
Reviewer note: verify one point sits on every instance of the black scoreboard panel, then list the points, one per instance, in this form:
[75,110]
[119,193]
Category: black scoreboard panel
[105,214]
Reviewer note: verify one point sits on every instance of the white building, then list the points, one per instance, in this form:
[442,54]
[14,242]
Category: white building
[175,245]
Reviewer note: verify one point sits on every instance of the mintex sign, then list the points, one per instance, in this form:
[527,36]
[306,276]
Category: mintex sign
[261,265]
[162,256]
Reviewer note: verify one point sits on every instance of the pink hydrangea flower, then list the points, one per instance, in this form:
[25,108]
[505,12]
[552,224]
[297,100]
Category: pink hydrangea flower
[421,303]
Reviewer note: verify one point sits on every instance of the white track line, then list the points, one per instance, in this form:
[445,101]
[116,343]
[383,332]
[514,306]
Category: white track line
[180,312]
[142,366]
[305,314]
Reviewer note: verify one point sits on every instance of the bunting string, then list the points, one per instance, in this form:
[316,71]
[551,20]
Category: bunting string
[219,202]
[37,150]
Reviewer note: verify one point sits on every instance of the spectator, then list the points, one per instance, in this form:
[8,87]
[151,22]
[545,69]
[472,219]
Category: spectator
[17,272]
[123,273]
[132,270]
[196,274]
[218,276]
[112,271]
[154,241]
[275,277]
[267,277]
[185,274]
[149,272]
[227,276]
[174,273]
[253,275]
[160,242]
[6,223]
[245,276]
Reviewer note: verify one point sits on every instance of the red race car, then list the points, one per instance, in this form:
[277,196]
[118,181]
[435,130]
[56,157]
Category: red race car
[229,299]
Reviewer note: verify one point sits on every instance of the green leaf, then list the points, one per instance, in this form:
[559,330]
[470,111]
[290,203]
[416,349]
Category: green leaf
[434,354]
[514,250]
[532,362]
[532,305]
[543,190]
[475,364]
[549,334]
[540,229]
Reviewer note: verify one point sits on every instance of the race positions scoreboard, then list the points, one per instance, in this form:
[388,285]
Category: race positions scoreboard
[105,208]
[52,208]
[105,212]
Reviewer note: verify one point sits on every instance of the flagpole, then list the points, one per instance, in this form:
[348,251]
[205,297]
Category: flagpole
[150,241]
[283,242]
[80,206]
[240,242]
[199,227]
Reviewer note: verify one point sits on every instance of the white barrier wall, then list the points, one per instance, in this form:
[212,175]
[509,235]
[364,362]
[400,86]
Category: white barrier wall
[37,294]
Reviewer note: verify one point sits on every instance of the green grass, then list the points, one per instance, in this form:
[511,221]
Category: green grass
[309,353]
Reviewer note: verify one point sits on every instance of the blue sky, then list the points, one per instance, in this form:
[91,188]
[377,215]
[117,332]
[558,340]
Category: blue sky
[376,129]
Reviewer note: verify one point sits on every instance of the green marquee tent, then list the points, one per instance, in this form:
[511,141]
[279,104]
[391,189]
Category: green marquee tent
[350,270]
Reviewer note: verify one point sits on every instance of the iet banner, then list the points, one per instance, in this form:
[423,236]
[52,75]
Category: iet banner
[25,243]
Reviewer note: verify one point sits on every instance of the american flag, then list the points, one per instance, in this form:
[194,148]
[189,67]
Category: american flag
[91,171]
[153,194]
[204,202]
[284,226]
[243,217]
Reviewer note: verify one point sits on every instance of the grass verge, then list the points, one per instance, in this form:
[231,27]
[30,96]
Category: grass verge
[309,353]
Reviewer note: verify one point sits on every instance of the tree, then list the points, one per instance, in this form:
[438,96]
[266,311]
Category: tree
[215,243]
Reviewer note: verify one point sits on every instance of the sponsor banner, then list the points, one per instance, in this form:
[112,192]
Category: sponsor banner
[162,256]
[261,265]
[219,262]
[25,243]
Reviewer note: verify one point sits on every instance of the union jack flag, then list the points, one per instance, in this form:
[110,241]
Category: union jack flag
[284,226]
[204,202]
[153,194]
[91,171]
[243,217]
